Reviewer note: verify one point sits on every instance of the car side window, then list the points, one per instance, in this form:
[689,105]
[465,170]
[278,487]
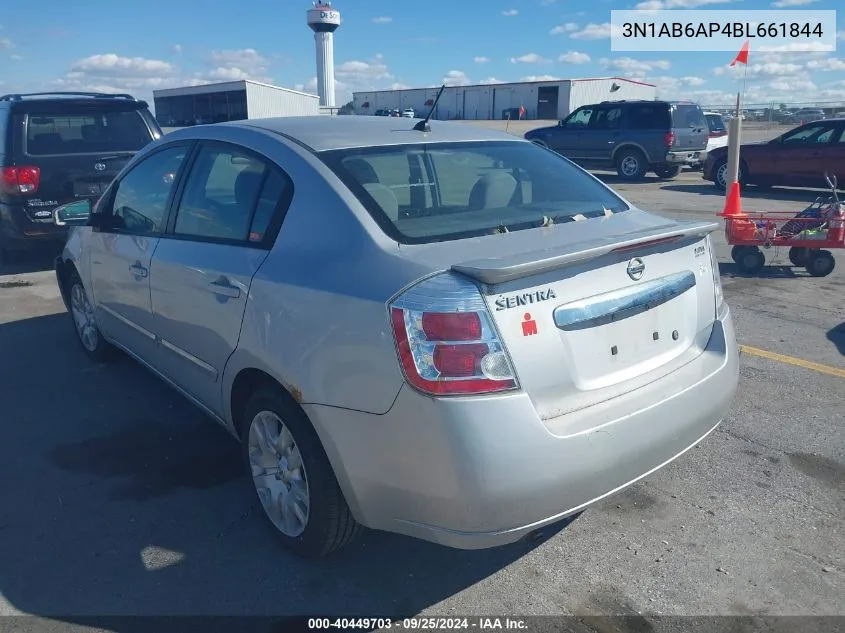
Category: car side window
[810,135]
[609,118]
[139,204]
[841,140]
[221,193]
[649,117]
[579,119]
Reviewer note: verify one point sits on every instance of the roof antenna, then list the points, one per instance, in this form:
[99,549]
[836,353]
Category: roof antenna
[423,125]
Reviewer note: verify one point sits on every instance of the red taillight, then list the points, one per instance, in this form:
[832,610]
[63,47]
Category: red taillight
[451,326]
[669,139]
[718,133]
[18,180]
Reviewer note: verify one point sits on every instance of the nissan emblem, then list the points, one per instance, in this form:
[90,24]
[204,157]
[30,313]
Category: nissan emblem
[636,268]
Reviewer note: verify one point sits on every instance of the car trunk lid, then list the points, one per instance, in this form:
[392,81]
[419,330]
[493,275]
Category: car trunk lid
[593,319]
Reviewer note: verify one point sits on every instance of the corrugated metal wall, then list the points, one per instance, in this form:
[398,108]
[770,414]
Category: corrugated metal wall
[598,90]
[467,102]
[265,101]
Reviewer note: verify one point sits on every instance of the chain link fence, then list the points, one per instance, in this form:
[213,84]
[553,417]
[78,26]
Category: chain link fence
[777,114]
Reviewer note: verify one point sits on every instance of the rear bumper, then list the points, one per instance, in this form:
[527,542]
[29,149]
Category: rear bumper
[684,158]
[479,472]
[18,228]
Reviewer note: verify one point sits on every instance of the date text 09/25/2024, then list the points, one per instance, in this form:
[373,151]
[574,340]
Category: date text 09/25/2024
[418,624]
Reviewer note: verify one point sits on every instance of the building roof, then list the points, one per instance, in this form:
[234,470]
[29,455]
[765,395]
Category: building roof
[222,86]
[514,83]
[321,133]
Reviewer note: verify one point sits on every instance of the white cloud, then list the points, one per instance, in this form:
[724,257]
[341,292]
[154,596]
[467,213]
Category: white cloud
[792,3]
[397,85]
[768,69]
[357,76]
[595,31]
[6,44]
[491,80]
[16,58]
[510,12]
[827,65]
[569,27]
[481,60]
[574,57]
[247,58]
[382,19]
[840,35]
[223,73]
[111,65]
[529,58]
[657,5]
[177,48]
[539,78]
[456,78]
[630,64]
[693,81]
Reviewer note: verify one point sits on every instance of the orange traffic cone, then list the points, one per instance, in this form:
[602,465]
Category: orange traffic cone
[733,204]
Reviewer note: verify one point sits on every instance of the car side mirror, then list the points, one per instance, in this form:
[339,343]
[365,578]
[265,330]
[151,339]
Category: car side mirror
[72,213]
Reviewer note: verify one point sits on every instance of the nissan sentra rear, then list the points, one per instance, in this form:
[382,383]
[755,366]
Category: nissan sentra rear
[556,343]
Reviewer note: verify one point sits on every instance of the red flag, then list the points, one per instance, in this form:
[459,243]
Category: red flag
[521,111]
[742,56]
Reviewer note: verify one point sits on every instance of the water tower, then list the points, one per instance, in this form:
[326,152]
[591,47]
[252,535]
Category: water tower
[324,20]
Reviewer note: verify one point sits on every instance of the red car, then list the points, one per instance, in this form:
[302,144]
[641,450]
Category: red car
[798,158]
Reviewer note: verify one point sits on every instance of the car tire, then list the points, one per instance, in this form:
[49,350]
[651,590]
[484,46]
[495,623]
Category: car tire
[798,256]
[82,316]
[667,171]
[631,164]
[720,170]
[750,259]
[820,263]
[289,469]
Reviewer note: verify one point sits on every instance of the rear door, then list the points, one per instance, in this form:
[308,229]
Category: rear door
[229,212]
[80,145]
[690,127]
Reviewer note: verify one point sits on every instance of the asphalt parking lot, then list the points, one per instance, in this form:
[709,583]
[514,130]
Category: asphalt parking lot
[120,498]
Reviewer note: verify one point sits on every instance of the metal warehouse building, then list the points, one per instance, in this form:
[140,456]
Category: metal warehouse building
[230,101]
[541,99]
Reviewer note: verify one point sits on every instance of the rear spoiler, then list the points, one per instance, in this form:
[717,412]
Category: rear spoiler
[503,269]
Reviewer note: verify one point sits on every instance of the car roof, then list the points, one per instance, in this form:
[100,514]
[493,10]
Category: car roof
[322,133]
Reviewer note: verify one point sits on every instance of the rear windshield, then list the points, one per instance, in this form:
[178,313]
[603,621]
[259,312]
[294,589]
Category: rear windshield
[447,191]
[85,132]
[715,123]
[688,116]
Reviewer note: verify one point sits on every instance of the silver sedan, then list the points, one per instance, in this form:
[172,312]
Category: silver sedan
[449,333]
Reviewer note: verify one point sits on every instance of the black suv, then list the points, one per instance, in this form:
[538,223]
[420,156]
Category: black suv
[635,137]
[58,147]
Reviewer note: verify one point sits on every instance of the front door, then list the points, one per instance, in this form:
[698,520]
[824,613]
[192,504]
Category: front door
[803,155]
[133,218]
[547,100]
[571,136]
[603,133]
[200,276]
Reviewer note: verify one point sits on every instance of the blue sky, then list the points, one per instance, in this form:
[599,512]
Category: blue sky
[381,44]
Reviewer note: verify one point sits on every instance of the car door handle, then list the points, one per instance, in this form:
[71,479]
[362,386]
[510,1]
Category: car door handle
[223,288]
[138,270]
